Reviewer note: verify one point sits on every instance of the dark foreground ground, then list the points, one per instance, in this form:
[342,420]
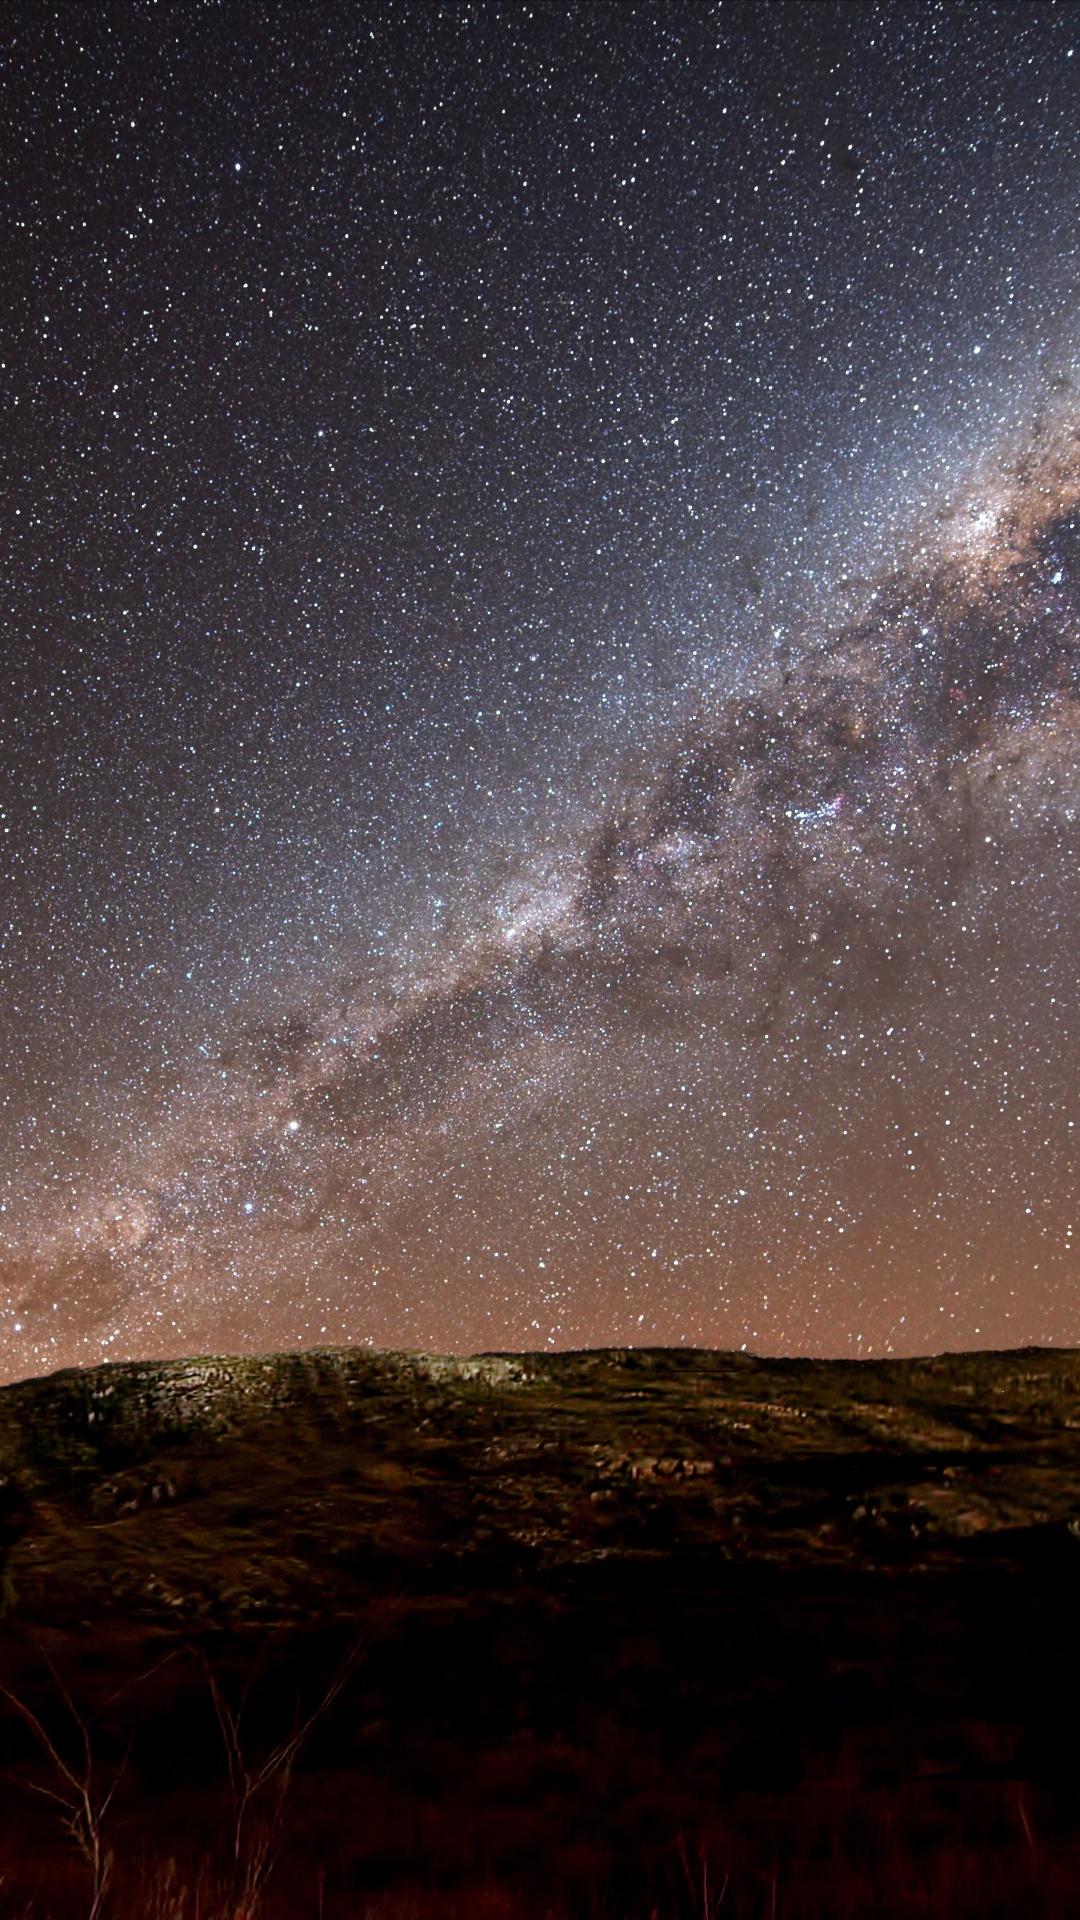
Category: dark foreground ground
[609,1634]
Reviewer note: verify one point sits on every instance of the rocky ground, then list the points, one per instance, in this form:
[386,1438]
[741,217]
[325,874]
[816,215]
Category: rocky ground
[569,1631]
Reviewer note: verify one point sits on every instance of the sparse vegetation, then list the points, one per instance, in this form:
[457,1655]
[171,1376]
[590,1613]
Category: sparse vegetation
[658,1635]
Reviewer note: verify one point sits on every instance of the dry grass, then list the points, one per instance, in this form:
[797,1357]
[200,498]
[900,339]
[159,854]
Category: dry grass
[845,1877]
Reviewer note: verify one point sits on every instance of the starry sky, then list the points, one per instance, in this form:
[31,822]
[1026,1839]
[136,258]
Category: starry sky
[539,685]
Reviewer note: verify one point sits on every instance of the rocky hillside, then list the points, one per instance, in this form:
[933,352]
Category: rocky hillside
[219,1490]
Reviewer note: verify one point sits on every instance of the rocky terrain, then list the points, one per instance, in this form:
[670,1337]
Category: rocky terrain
[572,1629]
[218,1490]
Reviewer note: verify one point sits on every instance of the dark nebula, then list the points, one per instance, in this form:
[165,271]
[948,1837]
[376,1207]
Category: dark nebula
[590,854]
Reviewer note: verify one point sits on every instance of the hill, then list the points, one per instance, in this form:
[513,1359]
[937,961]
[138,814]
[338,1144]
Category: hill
[552,1625]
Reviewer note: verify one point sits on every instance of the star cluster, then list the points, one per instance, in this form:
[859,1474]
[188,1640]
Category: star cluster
[540,725]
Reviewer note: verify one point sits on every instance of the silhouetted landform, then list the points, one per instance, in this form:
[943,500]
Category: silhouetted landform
[552,1634]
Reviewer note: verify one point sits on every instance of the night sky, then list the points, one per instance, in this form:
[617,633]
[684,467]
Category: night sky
[540,677]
